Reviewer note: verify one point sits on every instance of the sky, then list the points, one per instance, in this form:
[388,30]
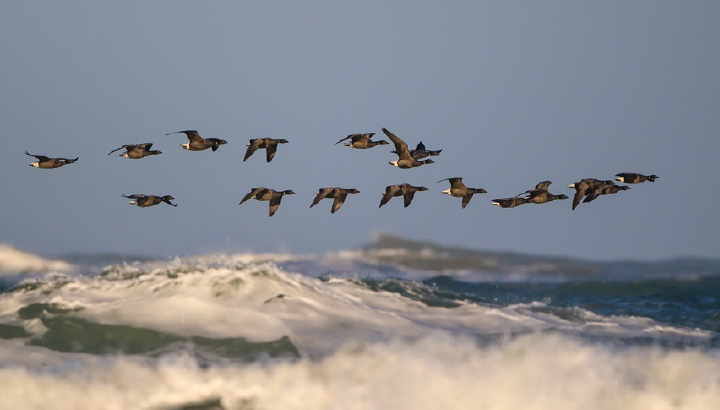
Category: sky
[513,93]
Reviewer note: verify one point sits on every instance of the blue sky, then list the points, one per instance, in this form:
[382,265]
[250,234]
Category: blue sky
[513,92]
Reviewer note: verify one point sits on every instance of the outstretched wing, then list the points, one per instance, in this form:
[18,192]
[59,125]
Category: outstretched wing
[466,200]
[252,147]
[401,147]
[274,204]
[322,193]
[542,185]
[251,194]
[127,147]
[456,183]
[337,203]
[408,197]
[390,192]
[270,151]
[191,134]
[580,190]
[40,158]
[347,138]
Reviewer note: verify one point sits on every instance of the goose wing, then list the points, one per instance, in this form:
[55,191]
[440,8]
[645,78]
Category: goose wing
[271,150]
[466,199]
[41,158]
[401,147]
[390,191]
[253,146]
[322,193]
[127,147]
[251,194]
[337,202]
[580,190]
[274,204]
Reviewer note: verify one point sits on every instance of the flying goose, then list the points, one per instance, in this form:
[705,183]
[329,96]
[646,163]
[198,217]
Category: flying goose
[144,201]
[421,152]
[44,162]
[540,194]
[339,195]
[509,202]
[137,151]
[198,143]
[269,144]
[633,178]
[361,141]
[583,187]
[604,189]
[459,190]
[405,160]
[266,194]
[407,191]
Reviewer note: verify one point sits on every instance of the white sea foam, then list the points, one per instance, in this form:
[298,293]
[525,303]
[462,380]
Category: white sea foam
[14,261]
[360,348]
[261,302]
[433,372]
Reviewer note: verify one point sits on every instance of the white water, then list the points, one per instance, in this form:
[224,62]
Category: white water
[434,372]
[263,303]
[360,349]
[14,261]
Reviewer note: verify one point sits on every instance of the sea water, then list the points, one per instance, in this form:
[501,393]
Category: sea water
[395,325]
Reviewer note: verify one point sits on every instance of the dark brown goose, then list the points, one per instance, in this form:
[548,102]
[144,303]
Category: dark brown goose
[633,178]
[144,201]
[198,143]
[459,190]
[405,160]
[407,191]
[583,187]
[509,202]
[421,152]
[361,141]
[605,189]
[137,151]
[269,144]
[540,194]
[339,195]
[266,194]
[44,162]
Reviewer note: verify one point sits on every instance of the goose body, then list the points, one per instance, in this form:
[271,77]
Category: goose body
[269,144]
[137,151]
[421,152]
[540,194]
[459,190]
[198,143]
[144,201]
[266,194]
[604,189]
[509,202]
[338,194]
[407,191]
[634,178]
[44,162]
[405,160]
[583,187]
[361,141]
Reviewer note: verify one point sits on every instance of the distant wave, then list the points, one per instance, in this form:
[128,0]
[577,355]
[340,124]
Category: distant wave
[14,261]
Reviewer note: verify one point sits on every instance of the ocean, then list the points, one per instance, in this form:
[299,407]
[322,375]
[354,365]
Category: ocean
[396,324]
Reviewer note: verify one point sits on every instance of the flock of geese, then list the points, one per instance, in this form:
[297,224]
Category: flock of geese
[586,190]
